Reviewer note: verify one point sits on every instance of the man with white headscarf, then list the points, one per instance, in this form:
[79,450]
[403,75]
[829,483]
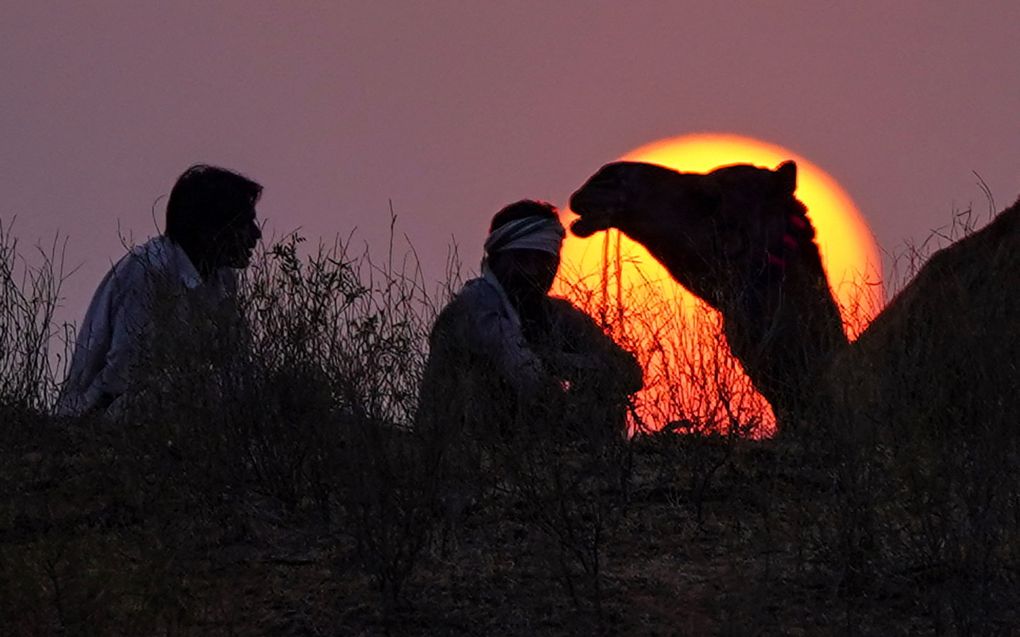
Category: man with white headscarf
[505,355]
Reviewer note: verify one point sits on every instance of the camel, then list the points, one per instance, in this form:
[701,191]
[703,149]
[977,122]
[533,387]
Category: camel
[738,238]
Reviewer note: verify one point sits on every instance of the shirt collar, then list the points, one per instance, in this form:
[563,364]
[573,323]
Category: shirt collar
[173,260]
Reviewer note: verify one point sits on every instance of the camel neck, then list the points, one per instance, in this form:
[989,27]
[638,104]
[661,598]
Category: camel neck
[785,328]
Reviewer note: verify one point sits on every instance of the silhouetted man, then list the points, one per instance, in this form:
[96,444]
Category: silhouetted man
[503,353]
[210,232]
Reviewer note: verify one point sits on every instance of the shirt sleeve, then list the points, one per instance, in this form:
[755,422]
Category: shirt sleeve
[130,322]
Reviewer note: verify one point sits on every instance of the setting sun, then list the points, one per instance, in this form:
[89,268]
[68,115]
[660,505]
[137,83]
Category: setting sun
[690,376]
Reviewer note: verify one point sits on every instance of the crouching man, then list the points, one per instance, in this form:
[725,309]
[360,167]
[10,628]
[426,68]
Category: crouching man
[505,356]
[153,295]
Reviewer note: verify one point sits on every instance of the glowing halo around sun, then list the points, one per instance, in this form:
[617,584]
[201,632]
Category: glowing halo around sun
[691,378]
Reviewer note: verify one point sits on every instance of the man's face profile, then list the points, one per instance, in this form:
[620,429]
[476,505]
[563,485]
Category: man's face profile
[235,243]
[524,271]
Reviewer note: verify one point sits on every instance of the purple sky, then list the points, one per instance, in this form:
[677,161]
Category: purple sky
[452,109]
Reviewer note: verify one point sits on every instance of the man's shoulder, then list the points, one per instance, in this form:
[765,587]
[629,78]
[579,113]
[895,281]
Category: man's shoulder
[574,320]
[149,256]
[563,307]
[561,304]
[476,297]
[150,266]
[477,288]
[130,268]
[160,260]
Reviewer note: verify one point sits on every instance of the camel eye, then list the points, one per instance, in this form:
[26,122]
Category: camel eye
[612,183]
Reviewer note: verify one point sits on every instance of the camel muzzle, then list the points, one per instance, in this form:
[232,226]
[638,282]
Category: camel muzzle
[596,207]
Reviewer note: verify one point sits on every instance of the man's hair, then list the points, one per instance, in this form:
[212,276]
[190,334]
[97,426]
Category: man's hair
[205,199]
[521,210]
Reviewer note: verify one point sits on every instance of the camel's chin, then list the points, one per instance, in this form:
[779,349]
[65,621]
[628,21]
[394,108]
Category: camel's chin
[585,228]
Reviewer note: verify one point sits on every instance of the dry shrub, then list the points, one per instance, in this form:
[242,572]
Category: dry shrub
[692,380]
[29,294]
[284,427]
[566,466]
[310,402]
[290,410]
[921,506]
[556,461]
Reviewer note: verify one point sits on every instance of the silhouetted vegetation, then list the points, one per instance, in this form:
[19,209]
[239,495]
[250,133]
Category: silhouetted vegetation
[268,479]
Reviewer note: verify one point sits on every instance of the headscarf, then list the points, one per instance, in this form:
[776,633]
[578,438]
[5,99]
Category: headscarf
[530,233]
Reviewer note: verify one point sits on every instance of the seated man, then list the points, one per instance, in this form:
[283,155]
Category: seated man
[210,231]
[505,355]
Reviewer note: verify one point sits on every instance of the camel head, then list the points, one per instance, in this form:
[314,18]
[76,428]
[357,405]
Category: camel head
[714,232]
[738,238]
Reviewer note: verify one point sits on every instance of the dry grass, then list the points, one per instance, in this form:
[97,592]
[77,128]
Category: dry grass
[29,293]
[269,482]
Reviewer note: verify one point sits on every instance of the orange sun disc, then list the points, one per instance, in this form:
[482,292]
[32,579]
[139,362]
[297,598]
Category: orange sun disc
[691,379]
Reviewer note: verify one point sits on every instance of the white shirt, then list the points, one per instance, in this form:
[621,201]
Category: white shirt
[120,317]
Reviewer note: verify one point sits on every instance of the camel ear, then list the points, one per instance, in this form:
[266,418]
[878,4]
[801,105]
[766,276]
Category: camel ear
[786,176]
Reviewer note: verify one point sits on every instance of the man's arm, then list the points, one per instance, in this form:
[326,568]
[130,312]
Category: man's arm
[130,320]
[592,353]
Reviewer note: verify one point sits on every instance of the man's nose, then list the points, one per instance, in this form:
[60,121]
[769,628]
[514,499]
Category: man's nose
[256,231]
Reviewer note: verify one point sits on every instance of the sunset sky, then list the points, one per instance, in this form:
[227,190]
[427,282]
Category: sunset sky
[452,109]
